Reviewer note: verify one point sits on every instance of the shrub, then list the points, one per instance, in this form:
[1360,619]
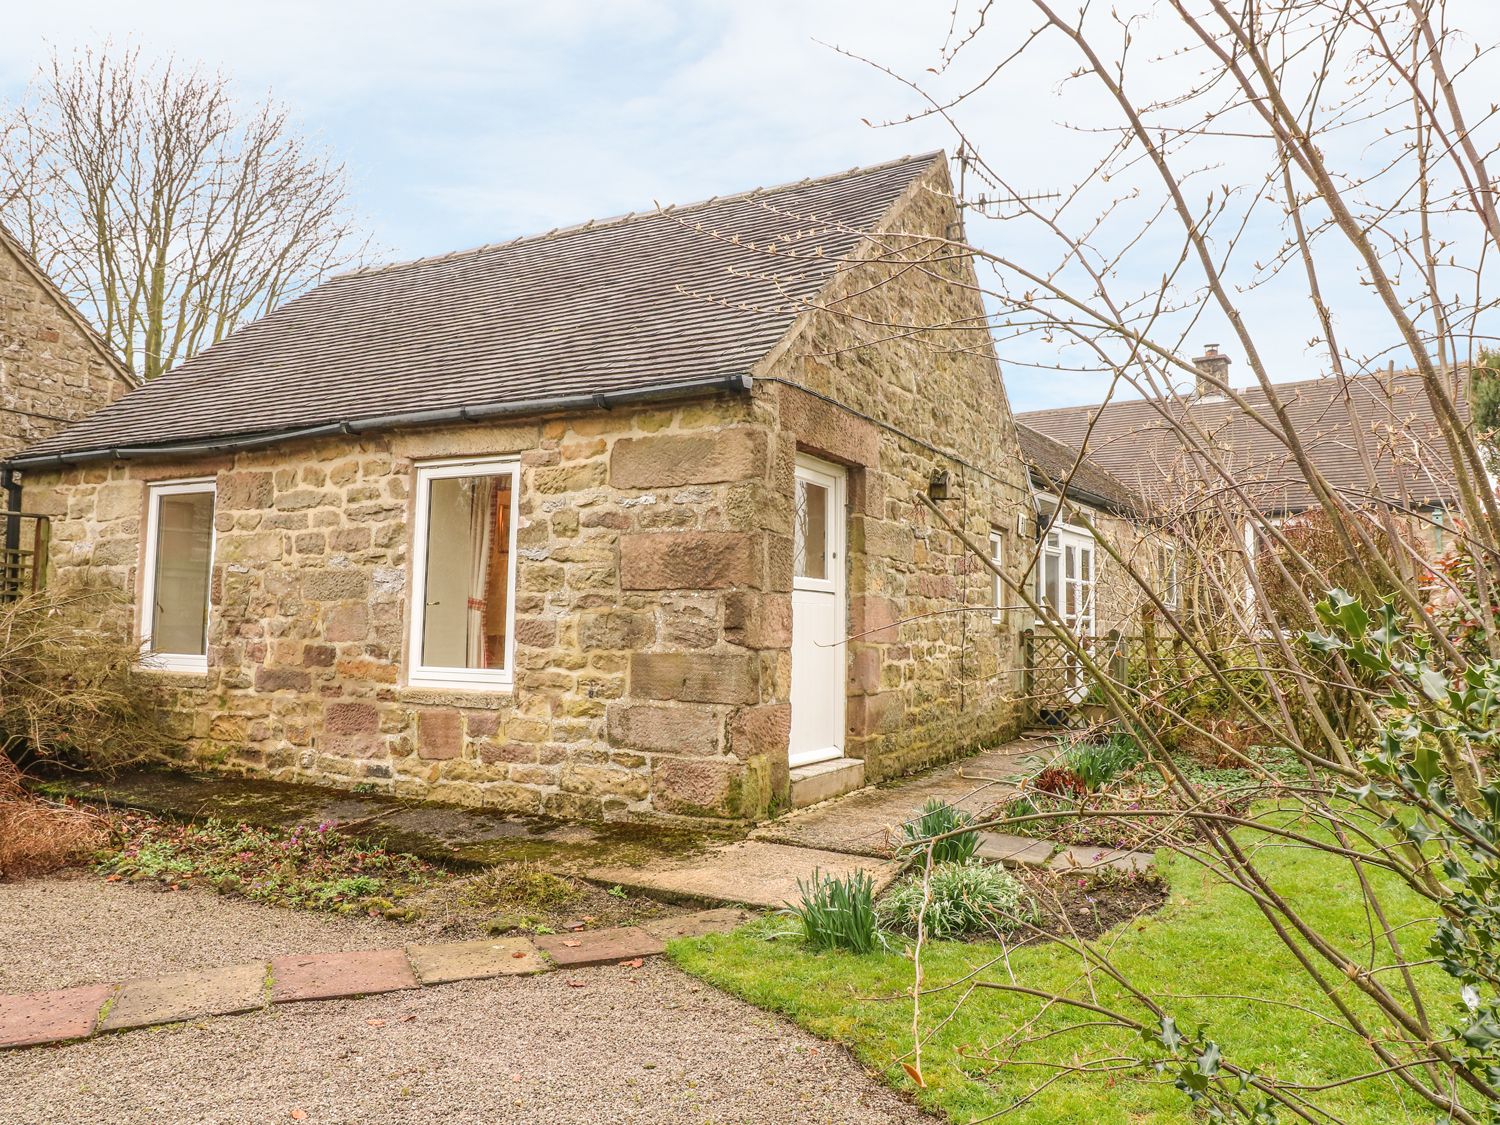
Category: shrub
[38,836]
[1096,764]
[70,691]
[838,913]
[936,818]
[961,899]
[1059,781]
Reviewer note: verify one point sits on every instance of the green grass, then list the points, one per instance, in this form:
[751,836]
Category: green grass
[1207,940]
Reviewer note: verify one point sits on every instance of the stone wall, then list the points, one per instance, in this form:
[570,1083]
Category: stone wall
[52,370]
[894,376]
[640,680]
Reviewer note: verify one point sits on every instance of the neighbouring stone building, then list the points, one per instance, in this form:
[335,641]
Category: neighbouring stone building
[54,367]
[625,519]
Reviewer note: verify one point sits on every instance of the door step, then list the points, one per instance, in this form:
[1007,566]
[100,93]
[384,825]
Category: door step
[825,780]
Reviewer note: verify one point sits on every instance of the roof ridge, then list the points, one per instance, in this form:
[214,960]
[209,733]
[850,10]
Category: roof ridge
[635,216]
[1188,400]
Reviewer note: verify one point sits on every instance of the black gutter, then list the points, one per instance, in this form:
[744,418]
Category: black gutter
[601,400]
[1084,496]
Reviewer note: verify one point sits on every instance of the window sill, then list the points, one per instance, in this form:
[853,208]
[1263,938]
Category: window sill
[166,674]
[487,697]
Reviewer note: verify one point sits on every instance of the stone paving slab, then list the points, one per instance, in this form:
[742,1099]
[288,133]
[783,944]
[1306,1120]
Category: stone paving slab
[1014,851]
[51,1017]
[599,947]
[867,821]
[187,996]
[475,960]
[332,976]
[1075,858]
[720,920]
[753,872]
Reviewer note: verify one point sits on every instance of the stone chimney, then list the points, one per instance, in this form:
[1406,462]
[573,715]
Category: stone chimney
[1215,365]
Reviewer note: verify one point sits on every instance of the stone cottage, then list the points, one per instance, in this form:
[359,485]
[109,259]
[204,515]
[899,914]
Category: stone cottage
[624,519]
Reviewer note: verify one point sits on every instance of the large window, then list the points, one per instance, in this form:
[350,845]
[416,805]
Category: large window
[463,577]
[179,566]
[1065,577]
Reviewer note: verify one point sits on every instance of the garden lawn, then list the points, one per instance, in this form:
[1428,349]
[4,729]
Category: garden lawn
[1202,957]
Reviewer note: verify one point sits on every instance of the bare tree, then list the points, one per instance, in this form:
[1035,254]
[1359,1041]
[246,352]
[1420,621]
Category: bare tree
[169,213]
[1238,149]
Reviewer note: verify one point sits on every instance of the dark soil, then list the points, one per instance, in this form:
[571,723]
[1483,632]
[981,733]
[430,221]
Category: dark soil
[1082,907]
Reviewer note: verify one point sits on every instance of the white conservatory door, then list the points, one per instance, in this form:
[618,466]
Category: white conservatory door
[819,614]
[1066,582]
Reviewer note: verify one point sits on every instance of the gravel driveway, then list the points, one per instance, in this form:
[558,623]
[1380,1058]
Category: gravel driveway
[594,1045]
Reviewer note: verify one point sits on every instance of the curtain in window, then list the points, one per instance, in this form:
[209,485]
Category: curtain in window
[481,528]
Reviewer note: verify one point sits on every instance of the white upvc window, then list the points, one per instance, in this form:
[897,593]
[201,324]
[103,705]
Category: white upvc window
[997,587]
[1169,579]
[178,575]
[463,574]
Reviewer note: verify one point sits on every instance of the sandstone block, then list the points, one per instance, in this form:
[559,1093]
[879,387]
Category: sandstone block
[329,585]
[688,560]
[663,727]
[695,677]
[349,622]
[278,677]
[239,491]
[761,731]
[615,629]
[440,734]
[671,460]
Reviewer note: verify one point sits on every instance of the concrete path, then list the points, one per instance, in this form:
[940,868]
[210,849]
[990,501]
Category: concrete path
[59,1015]
[866,821]
[751,872]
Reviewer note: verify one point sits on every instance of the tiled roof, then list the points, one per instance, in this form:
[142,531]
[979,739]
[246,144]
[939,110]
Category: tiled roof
[1135,440]
[672,296]
[1054,465]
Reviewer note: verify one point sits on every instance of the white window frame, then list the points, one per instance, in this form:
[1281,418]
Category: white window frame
[461,679]
[1169,592]
[997,586]
[172,661]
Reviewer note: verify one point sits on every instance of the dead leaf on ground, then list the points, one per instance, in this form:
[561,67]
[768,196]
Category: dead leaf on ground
[572,944]
[299,1115]
[576,984]
[634,963]
[914,1074]
[375,1023]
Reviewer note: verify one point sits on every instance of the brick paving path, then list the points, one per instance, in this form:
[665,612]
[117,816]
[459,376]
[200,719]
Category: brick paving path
[61,1015]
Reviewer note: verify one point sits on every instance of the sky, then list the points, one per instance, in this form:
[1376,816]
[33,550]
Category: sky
[464,122]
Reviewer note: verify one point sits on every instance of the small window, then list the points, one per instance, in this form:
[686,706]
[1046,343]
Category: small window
[1169,583]
[463,578]
[997,587]
[177,576]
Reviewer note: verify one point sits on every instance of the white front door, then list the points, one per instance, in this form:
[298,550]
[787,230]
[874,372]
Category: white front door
[818,614]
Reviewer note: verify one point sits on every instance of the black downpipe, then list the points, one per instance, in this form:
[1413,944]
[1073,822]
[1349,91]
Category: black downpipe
[11,581]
